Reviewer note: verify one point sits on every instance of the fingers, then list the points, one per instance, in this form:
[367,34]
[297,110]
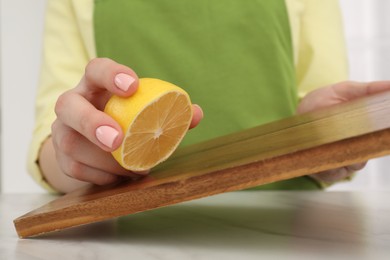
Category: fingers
[339,174]
[76,146]
[332,176]
[103,74]
[82,160]
[350,90]
[85,173]
[79,114]
[83,134]
[80,108]
[355,167]
[338,93]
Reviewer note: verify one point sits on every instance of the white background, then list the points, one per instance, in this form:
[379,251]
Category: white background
[21,24]
[367,26]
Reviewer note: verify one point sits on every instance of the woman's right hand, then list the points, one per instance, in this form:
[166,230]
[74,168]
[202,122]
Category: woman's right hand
[83,136]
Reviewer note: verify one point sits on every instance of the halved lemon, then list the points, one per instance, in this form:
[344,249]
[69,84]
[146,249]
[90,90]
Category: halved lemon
[154,119]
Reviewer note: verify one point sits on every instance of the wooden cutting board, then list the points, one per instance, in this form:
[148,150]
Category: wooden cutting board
[341,135]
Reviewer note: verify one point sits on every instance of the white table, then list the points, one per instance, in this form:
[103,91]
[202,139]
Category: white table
[238,225]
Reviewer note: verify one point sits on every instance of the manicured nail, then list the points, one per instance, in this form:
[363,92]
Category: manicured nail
[123,81]
[106,135]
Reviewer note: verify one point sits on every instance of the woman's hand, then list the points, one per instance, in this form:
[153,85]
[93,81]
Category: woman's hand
[332,95]
[83,136]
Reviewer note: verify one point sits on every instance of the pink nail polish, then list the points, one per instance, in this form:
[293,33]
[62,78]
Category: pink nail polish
[123,81]
[106,135]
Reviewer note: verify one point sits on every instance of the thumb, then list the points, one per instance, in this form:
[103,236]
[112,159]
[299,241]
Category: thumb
[350,90]
[339,93]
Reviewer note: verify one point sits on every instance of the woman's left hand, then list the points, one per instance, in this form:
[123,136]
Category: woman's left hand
[332,95]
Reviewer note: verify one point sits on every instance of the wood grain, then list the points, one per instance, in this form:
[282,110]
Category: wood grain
[348,133]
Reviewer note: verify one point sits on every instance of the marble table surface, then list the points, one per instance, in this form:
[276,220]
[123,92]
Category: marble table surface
[237,225]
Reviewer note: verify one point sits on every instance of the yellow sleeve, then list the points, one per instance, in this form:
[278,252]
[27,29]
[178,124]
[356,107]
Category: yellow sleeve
[319,45]
[67,48]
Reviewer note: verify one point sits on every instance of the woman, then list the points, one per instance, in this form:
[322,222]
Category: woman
[250,61]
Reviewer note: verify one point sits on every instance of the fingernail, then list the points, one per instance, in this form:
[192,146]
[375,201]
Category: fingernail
[123,81]
[106,135]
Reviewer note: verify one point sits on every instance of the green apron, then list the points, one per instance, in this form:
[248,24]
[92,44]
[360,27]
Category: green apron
[233,57]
